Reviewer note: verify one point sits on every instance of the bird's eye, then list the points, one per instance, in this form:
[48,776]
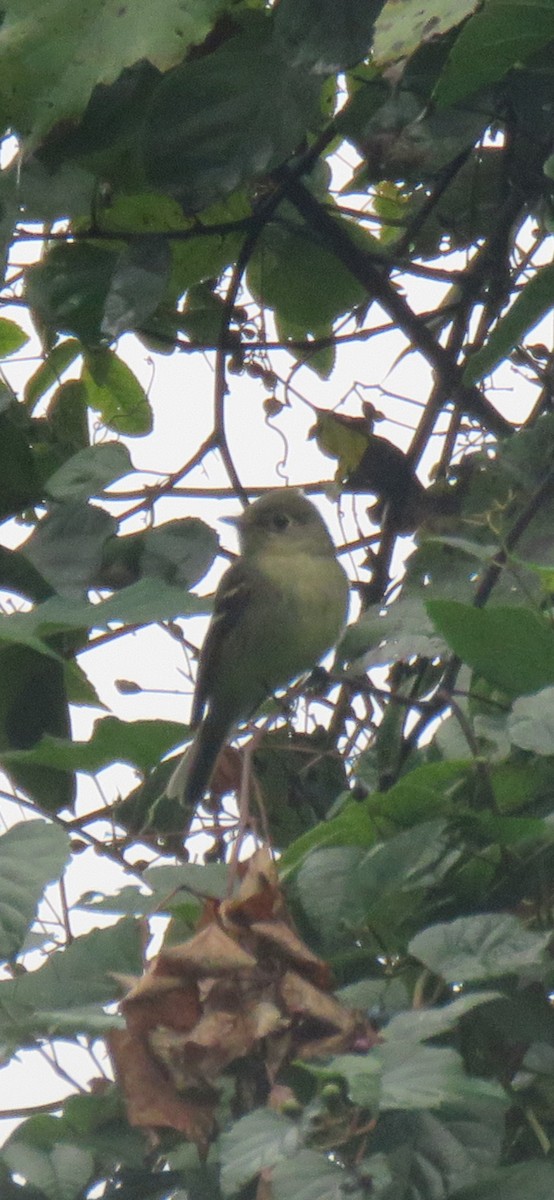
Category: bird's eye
[280,521]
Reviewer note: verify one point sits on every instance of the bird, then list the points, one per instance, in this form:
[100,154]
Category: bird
[279,608]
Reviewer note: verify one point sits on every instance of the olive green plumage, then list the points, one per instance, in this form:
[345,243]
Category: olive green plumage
[278,609]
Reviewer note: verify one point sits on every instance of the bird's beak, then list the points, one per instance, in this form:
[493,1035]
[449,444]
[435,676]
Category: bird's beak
[234,521]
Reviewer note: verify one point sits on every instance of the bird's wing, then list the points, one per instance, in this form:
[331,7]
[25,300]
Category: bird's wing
[231,600]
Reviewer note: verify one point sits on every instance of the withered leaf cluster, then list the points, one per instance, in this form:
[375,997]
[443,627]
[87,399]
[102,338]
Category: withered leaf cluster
[244,996]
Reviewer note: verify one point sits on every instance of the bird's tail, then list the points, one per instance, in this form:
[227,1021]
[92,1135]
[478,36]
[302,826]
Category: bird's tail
[191,777]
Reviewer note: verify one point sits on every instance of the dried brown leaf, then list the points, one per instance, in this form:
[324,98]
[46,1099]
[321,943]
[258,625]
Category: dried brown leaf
[283,938]
[152,1101]
[177,1009]
[210,952]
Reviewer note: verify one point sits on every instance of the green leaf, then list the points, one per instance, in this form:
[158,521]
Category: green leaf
[402,29]
[195,258]
[67,290]
[405,1075]
[504,34]
[312,1176]
[81,974]
[61,1174]
[426,792]
[129,901]
[50,61]
[66,546]
[12,337]
[68,419]
[141,743]
[319,37]
[259,1140]
[143,603]
[138,284]
[90,471]
[209,879]
[46,195]
[50,371]
[292,272]
[419,1024]
[32,854]
[33,701]
[17,575]
[20,484]
[116,394]
[513,648]
[214,123]
[528,308]
[179,552]
[94,1121]
[429,1077]
[354,826]
[402,631]
[531,722]
[529,1180]
[486,946]
[346,887]
[482,551]
[79,688]
[384,996]
[432,1153]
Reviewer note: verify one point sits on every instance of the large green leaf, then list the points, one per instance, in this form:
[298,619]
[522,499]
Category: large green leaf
[433,1152]
[420,1024]
[75,982]
[195,257]
[116,394]
[513,648]
[52,55]
[18,575]
[402,631]
[50,371]
[401,29]
[66,546]
[67,290]
[318,36]
[33,701]
[89,471]
[180,552]
[94,1121]
[171,886]
[137,286]
[345,888]
[214,122]
[293,272]
[531,722]
[312,1176]
[141,743]
[258,1140]
[486,946]
[32,854]
[142,603]
[504,34]
[529,306]
[529,1180]
[405,1075]
[48,195]
[20,481]
[61,1173]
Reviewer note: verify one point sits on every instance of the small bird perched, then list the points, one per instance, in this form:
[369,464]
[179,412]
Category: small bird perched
[278,609]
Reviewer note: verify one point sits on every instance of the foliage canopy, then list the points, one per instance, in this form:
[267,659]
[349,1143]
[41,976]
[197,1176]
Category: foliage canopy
[276,187]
